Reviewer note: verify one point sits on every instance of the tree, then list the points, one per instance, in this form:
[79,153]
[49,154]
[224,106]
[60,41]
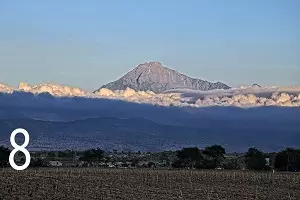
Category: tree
[51,154]
[288,160]
[151,164]
[37,162]
[135,163]
[188,157]
[4,156]
[231,164]
[62,154]
[164,158]
[255,159]
[92,155]
[216,154]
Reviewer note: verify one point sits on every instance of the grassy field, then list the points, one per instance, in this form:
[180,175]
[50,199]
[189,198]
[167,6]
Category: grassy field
[95,183]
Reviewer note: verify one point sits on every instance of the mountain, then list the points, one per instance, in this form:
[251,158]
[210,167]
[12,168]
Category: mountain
[154,77]
[145,135]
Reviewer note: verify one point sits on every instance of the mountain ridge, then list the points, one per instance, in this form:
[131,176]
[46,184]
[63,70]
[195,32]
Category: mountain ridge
[146,135]
[153,76]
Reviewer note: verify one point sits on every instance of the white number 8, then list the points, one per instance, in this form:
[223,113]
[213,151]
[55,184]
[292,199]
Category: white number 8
[19,148]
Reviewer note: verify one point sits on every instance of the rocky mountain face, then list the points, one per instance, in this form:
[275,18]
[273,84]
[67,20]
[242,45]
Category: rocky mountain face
[154,77]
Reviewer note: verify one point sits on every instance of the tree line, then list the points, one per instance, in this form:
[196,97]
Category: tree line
[214,157]
[210,157]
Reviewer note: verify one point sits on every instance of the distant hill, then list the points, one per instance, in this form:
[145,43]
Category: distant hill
[153,76]
[142,134]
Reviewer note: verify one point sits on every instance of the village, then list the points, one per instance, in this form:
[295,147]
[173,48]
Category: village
[163,160]
[113,159]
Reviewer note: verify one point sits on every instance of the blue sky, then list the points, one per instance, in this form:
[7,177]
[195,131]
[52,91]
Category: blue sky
[89,43]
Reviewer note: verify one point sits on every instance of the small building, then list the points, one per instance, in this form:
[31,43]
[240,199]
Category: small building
[267,161]
[55,164]
[110,165]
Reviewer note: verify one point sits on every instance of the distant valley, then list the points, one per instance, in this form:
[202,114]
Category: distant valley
[234,129]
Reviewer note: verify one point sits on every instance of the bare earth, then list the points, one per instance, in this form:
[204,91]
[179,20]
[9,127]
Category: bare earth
[95,183]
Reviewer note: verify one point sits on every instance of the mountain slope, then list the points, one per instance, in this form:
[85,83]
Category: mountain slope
[154,77]
[145,135]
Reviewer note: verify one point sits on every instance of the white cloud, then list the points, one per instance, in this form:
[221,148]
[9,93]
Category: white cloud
[240,97]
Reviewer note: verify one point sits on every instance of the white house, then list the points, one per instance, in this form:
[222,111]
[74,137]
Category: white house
[55,164]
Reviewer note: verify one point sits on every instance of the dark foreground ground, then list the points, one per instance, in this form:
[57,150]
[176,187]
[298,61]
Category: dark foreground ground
[95,183]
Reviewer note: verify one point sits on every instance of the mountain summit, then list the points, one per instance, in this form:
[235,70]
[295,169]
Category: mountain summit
[157,78]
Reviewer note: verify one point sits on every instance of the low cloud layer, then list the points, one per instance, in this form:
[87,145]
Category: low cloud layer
[181,99]
[239,97]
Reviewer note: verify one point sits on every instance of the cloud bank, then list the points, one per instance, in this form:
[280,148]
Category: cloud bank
[254,96]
